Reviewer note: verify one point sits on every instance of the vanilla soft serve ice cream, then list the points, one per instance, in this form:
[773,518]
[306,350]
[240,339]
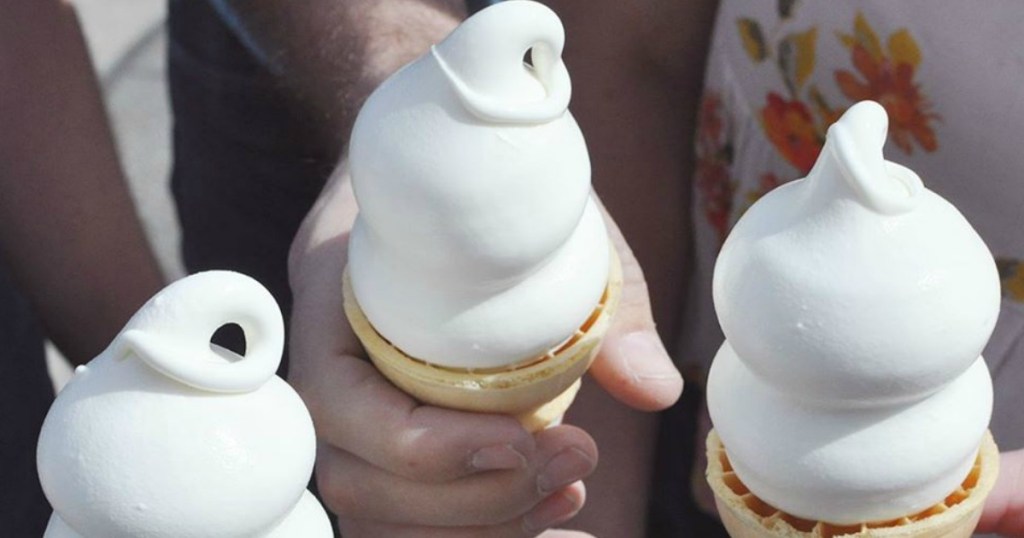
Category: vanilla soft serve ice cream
[478,242]
[165,435]
[855,304]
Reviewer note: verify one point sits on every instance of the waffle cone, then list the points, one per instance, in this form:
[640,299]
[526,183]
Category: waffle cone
[537,392]
[746,516]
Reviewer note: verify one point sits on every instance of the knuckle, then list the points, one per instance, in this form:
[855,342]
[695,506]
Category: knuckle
[338,495]
[419,455]
[504,502]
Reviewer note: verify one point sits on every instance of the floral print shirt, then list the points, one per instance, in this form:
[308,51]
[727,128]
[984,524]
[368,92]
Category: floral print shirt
[950,77]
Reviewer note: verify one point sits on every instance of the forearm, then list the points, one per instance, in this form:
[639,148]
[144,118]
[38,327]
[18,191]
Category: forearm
[68,230]
[617,492]
[636,84]
[637,75]
[333,53]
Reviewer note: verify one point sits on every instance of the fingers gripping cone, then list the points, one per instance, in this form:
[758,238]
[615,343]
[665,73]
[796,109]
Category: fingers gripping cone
[746,516]
[537,393]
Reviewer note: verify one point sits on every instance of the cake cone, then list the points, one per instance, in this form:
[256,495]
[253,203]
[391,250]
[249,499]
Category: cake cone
[537,392]
[746,516]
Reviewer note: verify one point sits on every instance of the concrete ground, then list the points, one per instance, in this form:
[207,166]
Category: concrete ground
[127,41]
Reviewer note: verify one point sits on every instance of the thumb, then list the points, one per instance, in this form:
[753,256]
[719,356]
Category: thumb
[633,365]
[1004,509]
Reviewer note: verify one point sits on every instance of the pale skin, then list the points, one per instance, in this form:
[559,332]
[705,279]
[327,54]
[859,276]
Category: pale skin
[388,465]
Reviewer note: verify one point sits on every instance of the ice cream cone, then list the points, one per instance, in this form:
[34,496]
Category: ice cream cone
[536,392]
[746,516]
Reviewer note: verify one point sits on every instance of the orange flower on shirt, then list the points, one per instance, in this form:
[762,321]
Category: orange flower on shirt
[717,190]
[766,183]
[1011,272]
[887,76]
[711,125]
[714,159]
[791,129]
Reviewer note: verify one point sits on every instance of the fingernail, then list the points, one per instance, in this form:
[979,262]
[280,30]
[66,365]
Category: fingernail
[568,466]
[552,511]
[498,457]
[644,357]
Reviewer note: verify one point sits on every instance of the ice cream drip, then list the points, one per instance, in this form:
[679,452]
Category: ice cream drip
[478,243]
[855,304]
[166,435]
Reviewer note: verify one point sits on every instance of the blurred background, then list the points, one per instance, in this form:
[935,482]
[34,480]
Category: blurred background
[127,41]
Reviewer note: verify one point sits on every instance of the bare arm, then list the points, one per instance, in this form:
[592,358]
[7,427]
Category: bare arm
[68,230]
[637,76]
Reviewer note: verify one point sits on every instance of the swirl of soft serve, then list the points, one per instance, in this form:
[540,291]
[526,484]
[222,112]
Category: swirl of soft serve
[855,304]
[478,242]
[165,435]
